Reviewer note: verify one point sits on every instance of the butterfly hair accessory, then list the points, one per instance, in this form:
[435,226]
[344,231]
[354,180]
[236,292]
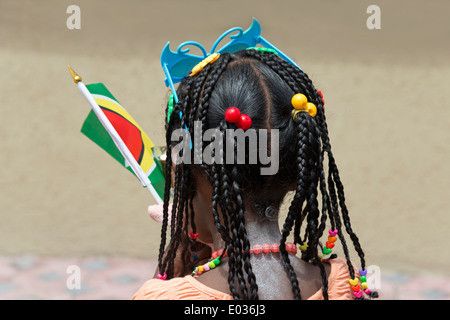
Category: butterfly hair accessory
[178,64]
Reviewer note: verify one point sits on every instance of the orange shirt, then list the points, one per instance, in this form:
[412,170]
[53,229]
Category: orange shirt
[189,288]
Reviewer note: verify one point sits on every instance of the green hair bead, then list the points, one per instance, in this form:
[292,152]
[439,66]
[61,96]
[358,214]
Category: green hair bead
[170,107]
[264,50]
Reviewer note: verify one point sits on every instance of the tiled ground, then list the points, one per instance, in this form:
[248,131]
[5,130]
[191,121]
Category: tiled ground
[29,277]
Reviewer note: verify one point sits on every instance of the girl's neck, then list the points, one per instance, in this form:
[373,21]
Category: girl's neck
[259,230]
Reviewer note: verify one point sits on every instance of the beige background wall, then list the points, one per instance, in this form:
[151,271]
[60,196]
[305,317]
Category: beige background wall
[387,105]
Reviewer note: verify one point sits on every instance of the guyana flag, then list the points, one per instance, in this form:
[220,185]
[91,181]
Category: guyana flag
[138,143]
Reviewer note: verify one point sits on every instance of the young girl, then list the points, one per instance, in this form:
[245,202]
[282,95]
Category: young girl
[234,208]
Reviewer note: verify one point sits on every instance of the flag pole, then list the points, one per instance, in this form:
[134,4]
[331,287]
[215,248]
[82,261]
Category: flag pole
[115,136]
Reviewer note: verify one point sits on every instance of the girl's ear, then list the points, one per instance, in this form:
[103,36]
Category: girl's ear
[172,172]
[174,159]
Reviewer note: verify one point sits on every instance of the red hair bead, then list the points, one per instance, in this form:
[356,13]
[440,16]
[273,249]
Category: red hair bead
[321,96]
[275,247]
[218,253]
[244,122]
[193,235]
[232,115]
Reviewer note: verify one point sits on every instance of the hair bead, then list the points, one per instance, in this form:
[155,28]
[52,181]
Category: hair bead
[321,96]
[170,107]
[333,232]
[299,101]
[358,294]
[264,50]
[193,235]
[303,247]
[245,122]
[232,115]
[311,109]
[199,67]
[162,277]
[329,245]
[359,288]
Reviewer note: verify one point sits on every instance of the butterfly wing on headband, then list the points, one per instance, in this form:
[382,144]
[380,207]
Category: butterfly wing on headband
[176,65]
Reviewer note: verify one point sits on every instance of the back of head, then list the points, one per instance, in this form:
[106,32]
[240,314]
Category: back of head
[256,90]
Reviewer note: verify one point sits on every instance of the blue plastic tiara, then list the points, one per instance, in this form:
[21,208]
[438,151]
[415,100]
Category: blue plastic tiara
[176,65]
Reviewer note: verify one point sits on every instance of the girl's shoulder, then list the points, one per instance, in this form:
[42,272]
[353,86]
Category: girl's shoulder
[338,281]
[189,288]
[180,288]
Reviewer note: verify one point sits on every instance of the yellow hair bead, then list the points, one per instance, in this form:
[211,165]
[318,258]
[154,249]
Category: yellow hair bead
[200,269]
[212,58]
[199,67]
[303,247]
[299,101]
[311,109]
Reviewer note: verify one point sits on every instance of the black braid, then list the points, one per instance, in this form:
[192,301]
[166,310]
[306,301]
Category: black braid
[167,186]
[166,263]
[173,235]
[242,243]
[219,67]
[296,204]
[315,231]
[216,195]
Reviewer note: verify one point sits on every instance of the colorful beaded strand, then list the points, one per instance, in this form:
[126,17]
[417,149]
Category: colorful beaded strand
[256,249]
[327,248]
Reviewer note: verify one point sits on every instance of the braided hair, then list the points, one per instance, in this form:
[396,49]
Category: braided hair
[261,85]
